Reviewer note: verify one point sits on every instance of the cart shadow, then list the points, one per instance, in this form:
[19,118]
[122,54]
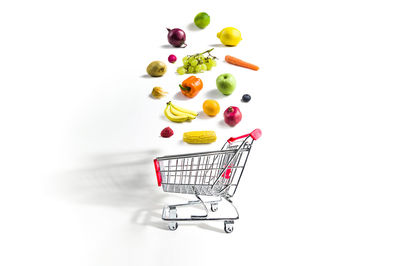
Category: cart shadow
[123,180]
[207,226]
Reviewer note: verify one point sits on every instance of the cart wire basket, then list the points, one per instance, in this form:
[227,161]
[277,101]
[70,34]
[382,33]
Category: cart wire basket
[214,173]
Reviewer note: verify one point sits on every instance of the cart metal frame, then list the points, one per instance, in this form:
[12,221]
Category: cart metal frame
[214,173]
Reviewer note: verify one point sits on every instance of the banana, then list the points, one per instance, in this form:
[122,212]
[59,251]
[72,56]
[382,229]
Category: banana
[179,113]
[183,110]
[172,117]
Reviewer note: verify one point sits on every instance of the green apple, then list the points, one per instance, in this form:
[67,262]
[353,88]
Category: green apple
[226,83]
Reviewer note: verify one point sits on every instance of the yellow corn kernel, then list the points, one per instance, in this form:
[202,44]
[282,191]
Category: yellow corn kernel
[196,137]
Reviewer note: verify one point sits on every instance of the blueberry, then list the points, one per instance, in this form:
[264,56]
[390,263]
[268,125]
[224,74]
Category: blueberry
[246,98]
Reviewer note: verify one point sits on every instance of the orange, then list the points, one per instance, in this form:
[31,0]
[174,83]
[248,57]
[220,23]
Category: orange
[211,107]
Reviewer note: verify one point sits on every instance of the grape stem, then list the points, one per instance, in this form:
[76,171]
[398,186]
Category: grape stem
[208,52]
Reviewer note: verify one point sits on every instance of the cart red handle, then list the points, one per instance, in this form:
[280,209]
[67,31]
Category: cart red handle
[157,167]
[255,134]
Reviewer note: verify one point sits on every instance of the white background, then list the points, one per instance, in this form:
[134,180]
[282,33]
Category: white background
[79,132]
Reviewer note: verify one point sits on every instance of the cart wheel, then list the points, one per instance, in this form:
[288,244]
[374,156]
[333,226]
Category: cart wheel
[228,226]
[214,207]
[173,226]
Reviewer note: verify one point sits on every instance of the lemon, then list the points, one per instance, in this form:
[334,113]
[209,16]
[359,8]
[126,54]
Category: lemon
[230,36]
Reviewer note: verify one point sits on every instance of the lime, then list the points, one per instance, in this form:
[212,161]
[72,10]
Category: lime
[202,20]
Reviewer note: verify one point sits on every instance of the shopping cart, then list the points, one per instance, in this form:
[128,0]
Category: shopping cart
[215,173]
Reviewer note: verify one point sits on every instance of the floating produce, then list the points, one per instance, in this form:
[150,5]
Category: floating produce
[197,63]
[156,69]
[229,36]
[191,86]
[176,37]
[199,137]
[238,62]
[232,116]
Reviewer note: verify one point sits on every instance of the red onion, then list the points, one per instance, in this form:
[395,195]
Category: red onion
[176,37]
[232,116]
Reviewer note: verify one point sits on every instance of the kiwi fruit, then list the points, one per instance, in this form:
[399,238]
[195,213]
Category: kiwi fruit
[156,69]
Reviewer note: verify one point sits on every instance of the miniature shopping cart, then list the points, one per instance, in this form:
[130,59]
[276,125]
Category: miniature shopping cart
[215,174]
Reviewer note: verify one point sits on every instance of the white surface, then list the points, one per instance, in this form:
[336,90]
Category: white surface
[79,132]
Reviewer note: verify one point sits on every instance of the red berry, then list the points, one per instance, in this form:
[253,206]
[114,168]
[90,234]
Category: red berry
[167,132]
[172,58]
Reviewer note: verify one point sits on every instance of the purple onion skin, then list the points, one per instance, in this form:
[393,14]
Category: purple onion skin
[176,37]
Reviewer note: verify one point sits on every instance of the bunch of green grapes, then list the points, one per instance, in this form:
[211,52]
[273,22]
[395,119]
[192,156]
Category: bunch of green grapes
[197,63]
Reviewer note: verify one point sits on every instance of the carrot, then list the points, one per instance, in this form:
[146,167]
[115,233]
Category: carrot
[236,61]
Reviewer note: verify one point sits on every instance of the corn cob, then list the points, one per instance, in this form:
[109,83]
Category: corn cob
[196,137]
